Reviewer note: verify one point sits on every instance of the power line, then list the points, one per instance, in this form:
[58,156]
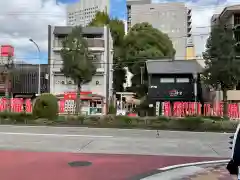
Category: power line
[117,63]
[200,34]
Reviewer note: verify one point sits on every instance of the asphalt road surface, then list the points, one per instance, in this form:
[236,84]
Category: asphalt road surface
[37,153]
[114,141]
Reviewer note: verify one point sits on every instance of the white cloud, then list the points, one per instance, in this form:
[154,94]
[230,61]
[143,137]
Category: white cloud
[24,19]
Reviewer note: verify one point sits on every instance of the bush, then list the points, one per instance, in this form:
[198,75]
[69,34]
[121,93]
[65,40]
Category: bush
[196,123]
[46,107]
[215,118]
[93,120]
[15,117]
[187,123]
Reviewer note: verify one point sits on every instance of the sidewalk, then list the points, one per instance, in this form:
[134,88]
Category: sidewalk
[198,172]
[211,173]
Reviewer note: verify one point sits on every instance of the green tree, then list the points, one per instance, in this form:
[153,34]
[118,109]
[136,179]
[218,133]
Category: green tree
[222,68]
[117,32]
[77,63]
[101,18]
[141,43]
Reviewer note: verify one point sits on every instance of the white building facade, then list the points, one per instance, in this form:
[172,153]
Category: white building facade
[100,44]
[82,12]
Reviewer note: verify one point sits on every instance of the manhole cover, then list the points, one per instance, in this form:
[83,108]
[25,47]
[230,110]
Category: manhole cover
[79,163]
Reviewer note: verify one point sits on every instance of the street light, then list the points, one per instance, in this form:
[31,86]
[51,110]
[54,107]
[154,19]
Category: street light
[39,66]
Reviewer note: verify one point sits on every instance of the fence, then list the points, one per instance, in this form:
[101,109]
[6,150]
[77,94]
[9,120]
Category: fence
[178,109]
[16,105]
[181,109]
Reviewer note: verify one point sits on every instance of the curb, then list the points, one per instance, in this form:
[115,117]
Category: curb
[169,168]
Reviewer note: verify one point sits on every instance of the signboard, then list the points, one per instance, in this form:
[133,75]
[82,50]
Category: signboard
[7,50]
[73,95]
[174,93]
[157,108]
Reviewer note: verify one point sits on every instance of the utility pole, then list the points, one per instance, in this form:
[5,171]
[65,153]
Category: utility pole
[141,74]
[8,70]
[107,68]
[39,66]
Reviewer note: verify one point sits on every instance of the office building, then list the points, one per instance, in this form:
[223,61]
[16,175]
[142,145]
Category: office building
[101,45]
[82,12]
[190,50]
[131,3]
[173,19]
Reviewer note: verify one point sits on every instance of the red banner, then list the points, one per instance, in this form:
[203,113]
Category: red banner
[181,109]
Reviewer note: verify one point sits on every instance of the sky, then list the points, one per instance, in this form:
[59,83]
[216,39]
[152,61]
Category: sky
[24,19]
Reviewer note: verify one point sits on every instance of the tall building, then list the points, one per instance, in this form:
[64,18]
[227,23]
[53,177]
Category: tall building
[230,16]
[173,19]
[131,3]
[190,50]
[100,44]
[82,12]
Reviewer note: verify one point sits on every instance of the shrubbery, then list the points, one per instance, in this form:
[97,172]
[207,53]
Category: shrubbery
[112,121]
[46,107]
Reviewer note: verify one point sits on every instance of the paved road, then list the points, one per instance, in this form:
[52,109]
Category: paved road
[17,165]
[114,141]
[115,154]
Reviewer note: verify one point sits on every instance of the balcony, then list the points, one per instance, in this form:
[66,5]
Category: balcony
[93,44]
[189,28]
[57,65]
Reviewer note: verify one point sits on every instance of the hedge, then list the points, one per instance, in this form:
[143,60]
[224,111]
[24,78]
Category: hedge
[110,121]
[46,106]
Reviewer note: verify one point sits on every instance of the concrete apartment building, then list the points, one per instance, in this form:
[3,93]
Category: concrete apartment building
[100,44]
[82,12]
[230,16]
[173,19]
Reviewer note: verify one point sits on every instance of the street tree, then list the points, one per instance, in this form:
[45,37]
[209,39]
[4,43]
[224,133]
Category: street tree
[101,19]
[222,68]
[77,63]
[117,32]
[141,43]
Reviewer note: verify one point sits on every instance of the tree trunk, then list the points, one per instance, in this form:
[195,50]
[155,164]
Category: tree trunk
[78,100]
[225,104]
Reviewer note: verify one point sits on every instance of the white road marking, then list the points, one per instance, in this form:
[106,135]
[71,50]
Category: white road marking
[193,164]
[54,135]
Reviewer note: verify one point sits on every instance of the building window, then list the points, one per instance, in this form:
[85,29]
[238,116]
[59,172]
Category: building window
[182,80]
[166,80]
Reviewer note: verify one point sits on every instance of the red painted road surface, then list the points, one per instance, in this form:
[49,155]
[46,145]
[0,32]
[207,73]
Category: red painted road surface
[19,165]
